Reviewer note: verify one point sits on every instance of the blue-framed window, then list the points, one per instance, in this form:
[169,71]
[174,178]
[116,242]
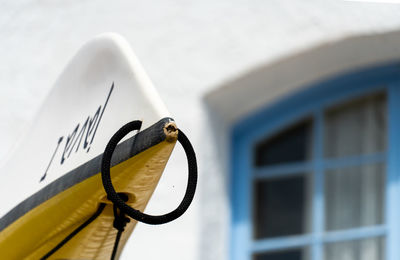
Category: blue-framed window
[316,176]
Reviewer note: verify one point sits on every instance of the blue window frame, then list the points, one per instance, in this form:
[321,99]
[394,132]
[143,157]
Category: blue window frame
[311,103]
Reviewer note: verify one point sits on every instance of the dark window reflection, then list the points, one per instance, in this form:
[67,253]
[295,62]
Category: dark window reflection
[365,249]
[290,145]
[356,127]
[296,254]
[354,196]
[280,207]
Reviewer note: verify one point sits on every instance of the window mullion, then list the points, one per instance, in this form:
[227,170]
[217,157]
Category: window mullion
[355,234]
[281,243]
[288,169]
[318,188]
[358,160]
[393,174]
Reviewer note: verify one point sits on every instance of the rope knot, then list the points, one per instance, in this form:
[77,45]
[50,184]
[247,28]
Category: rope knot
[120,220]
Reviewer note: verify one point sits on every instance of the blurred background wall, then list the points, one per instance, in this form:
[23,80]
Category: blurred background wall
[190,50]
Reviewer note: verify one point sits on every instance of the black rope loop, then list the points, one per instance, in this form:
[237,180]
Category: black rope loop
[118,201]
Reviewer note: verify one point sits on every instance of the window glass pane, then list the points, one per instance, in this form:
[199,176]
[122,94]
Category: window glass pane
[357,127]
[354,196]
[290,145]
[366,249]
[281,206]
[292,254]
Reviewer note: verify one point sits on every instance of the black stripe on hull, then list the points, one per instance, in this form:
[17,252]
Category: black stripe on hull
[143,140]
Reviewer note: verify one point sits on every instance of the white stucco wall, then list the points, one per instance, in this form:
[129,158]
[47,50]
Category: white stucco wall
[188,49]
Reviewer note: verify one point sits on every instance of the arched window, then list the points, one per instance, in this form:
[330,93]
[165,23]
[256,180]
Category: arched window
[316,175]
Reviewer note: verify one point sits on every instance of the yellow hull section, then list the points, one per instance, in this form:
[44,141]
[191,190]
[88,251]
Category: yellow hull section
[42,228]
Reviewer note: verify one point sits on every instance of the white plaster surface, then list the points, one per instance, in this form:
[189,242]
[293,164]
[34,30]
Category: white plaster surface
[268,84]
[188,48]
